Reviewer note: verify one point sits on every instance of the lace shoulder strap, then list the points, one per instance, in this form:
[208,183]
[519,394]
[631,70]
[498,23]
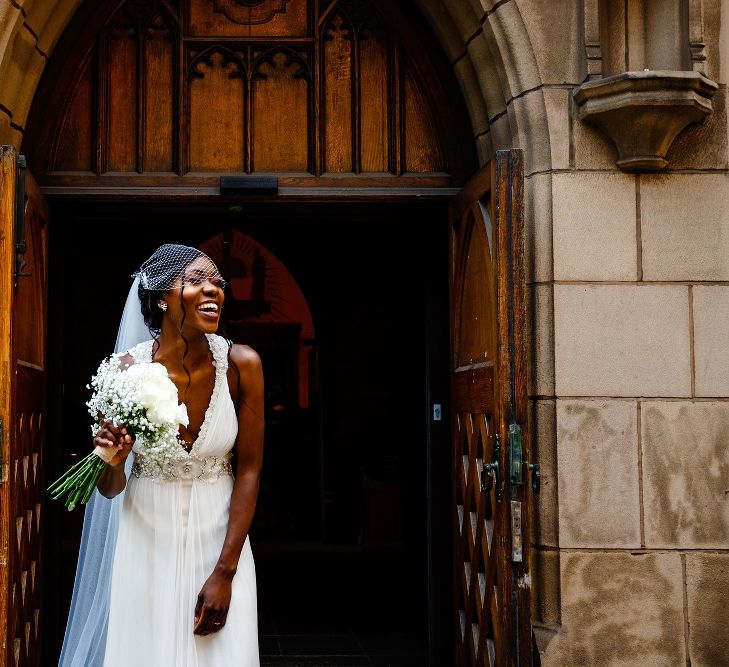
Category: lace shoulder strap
[219,348]
[142,353]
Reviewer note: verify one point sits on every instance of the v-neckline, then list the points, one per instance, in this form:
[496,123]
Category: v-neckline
[209,409]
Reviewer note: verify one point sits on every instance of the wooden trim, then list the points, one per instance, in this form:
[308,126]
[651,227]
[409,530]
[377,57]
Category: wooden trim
[8,177]
[33,191]
[478,187]
[293,193]
[209,180]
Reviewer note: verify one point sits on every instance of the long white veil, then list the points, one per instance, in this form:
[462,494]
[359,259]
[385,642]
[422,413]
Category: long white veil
[84,642]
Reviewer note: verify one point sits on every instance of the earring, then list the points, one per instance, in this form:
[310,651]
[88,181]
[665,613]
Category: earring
[162,305]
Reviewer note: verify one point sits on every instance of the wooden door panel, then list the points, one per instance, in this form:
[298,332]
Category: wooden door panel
[488,383]
[147,93]
[22,410]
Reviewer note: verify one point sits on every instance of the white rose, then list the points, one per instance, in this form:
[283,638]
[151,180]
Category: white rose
[157,394]
[181,416]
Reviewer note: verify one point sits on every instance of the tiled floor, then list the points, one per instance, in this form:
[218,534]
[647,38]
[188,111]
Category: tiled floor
[338,610]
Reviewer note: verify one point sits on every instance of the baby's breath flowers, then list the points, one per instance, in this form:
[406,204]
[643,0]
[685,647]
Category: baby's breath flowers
[143,399]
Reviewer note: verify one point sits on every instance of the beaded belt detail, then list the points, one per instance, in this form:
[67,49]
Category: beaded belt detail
[199,468]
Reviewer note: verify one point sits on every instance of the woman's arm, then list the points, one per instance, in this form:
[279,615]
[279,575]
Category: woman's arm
[113,479]
[214,598]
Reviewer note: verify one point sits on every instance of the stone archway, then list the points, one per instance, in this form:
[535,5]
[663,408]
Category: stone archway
[492,53]
[516,91]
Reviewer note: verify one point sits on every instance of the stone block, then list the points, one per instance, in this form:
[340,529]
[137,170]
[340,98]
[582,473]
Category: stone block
[528,121]
[591,149]
[619,610]
[622,340]
[552,28]
[714,15]
[557,105]
[11,19]
[707,587]
[443,26]
[488,75]
[49,20]
[465,20]
[484,148]
[8,134]
[500,130]
[20,73]
[597,460]
[497,137]
[685,473]
[469,84]
[703,145]
[540,340]
[545,591]
[685,226]
[594,226]
[542,421]
[538,227]
[505,31]
[711,340]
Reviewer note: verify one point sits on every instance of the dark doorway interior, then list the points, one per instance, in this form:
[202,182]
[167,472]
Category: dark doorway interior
[350,534]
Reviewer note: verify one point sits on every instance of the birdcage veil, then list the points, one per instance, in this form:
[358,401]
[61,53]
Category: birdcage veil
[84,642]
[171,265]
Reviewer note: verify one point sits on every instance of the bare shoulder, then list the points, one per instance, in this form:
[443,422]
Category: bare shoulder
[247,380]
[246,359]
[125,361]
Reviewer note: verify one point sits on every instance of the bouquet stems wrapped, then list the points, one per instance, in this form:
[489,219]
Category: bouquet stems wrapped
[78,483]
[144,400]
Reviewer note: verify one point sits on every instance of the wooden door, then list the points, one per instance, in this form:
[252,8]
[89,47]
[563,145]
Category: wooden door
[23,276]
[489,414]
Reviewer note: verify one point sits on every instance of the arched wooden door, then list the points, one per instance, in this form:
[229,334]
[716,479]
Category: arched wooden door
[489,405]
[23,252]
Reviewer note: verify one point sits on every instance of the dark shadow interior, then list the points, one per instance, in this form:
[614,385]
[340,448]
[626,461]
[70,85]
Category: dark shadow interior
[351,533]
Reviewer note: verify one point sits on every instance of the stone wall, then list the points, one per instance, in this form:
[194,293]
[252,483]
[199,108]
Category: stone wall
[629,303]
[629,284]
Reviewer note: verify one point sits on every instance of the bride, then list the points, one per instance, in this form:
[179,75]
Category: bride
[166,574]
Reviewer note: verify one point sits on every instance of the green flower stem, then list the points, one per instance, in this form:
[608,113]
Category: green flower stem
[78,483]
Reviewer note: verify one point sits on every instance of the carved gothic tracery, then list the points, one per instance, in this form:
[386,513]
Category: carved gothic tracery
[290,59]
[228,57]
[250,12]
[140,17]
[357,18]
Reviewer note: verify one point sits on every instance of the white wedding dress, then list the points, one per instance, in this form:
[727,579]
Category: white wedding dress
[171,532]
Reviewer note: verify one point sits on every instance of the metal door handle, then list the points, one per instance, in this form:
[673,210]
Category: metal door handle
[489,476]
[490,473]
[536,477]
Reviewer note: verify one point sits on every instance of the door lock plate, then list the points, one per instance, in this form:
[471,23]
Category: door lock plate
[516,455]
[517,551]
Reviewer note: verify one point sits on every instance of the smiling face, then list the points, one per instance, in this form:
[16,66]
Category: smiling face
[200,303]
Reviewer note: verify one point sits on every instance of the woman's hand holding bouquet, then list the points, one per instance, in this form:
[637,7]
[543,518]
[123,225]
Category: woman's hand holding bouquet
[138,404]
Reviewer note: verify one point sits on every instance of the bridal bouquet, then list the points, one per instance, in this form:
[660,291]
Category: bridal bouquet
[143,399]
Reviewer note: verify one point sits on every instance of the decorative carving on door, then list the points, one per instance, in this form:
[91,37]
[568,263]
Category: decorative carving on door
[250,12]
[167,90]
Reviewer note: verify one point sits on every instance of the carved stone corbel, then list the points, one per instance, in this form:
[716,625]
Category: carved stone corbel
[643,112]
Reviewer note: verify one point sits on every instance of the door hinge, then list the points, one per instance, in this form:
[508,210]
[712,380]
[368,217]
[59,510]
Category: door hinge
[20,245]
[3,465]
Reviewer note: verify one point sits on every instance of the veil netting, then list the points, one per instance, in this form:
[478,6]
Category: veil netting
[84,641]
